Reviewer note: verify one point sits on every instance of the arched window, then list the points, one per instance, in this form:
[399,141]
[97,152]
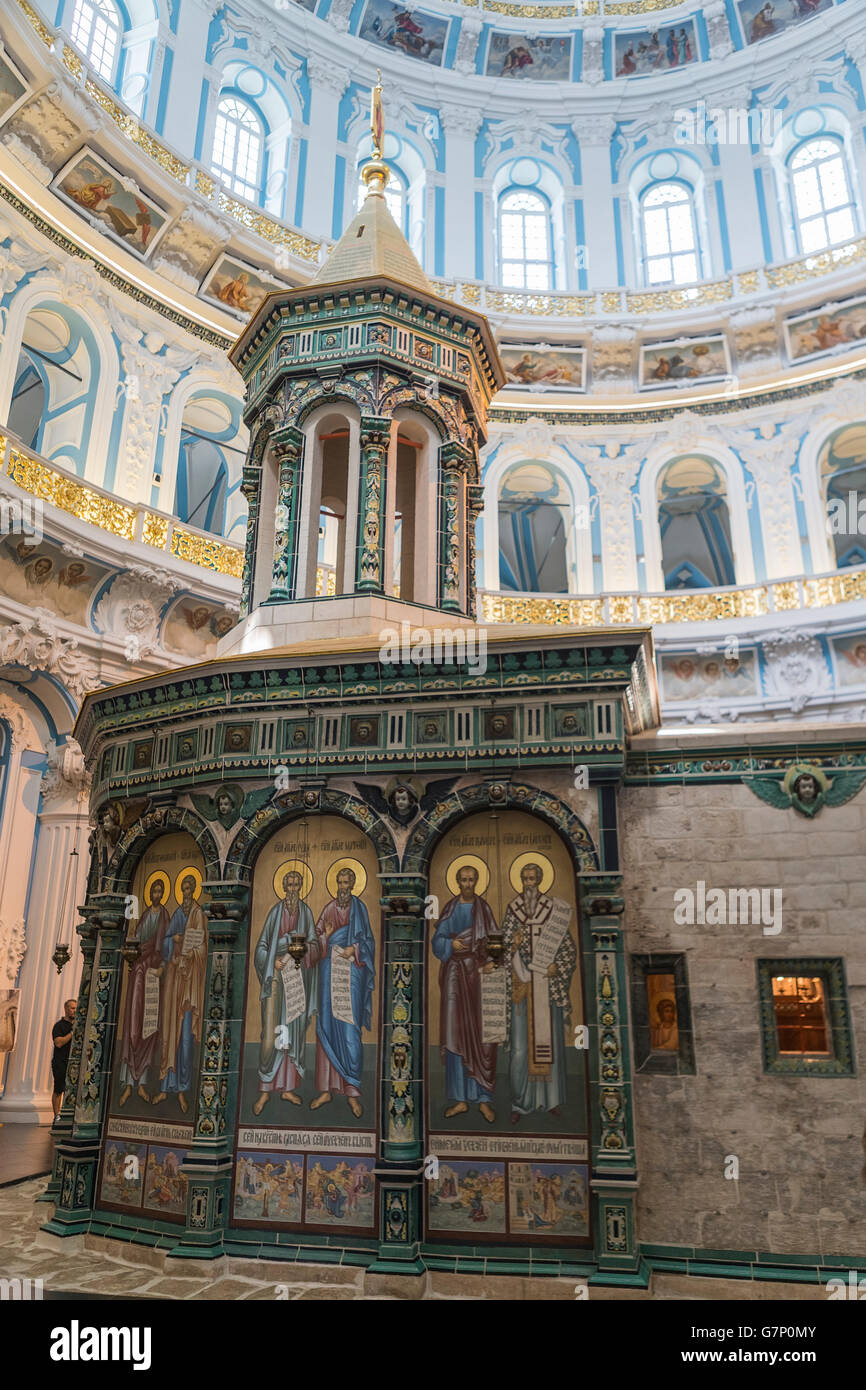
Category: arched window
[238,145]
[201,482]
[669,235]
[695,525]
[27,407]
[525,251]
[843,478]
[56,385]
[95,32]
[395,196]
[208,457]
[333,575]
[535,525]
[825,212]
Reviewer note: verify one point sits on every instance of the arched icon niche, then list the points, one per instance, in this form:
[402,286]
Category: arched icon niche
[309,1092]
[157,1054]
[506,1087]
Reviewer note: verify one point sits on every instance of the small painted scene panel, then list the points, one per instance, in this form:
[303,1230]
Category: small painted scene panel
[405,31]
[655,50]
[195,628]
[340,1191]
[236,286]
[548,369]
[664,364]
[311,1028]
[548,1199]
[850,659]
[833,326]
[123,1169]
[165,1186]
[95,188]
[761,19]
[541,58]
[269,1187]
[468,1196]
[41,575]
[691,676]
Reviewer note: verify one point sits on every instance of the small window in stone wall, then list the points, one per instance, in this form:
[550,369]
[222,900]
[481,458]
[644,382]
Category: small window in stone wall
[661,1015]
[805,1023]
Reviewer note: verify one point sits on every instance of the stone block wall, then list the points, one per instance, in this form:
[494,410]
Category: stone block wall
[799,1140]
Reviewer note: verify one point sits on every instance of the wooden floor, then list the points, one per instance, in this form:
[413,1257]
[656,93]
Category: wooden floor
[25,1152]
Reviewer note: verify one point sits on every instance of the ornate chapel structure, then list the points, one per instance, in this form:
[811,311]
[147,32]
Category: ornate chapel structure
[433,639]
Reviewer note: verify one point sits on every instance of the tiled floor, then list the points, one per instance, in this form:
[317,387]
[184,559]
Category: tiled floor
[26,1151]
[77,1267]
[88,1267]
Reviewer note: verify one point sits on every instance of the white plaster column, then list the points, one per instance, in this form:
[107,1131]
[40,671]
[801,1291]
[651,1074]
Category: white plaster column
[149,376]
[17,830]
[769,460]
[63,825]
[613,478]
[740,195]
[461,125]
[593,135]
[328,82]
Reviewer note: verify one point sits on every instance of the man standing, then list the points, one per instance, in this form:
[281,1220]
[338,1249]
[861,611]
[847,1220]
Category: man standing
[283,1044]
[343,930]
[184,955]
[460,943]
[138,1050]
[62,1036]
[536,931]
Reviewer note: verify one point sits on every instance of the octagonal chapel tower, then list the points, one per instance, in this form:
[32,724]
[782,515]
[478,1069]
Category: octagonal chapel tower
[367,399]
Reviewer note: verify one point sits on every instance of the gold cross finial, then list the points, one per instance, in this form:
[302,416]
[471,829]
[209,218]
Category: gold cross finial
[377,117]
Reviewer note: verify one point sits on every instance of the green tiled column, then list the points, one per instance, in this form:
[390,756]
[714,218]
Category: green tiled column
[251,489]
[288,446]
[400,1169]
[375,438]
[453,462]
[78,1153]
[61,1129]
[208,1163]
[614,1180]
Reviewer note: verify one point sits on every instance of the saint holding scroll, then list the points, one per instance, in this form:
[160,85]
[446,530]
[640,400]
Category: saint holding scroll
[285,1010]
[542,959]
[344,950]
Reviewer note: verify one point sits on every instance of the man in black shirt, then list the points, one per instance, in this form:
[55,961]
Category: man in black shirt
[62,1035]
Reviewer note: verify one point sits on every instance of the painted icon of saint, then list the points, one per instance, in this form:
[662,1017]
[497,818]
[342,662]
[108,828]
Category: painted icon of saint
[283,1042]
[535,931]
[184,965]
[343,930]
[139,1049]
[460,944]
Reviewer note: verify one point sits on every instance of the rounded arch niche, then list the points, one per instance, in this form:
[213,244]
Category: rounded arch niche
[160,1018]
[507,1090]
[309,1093]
